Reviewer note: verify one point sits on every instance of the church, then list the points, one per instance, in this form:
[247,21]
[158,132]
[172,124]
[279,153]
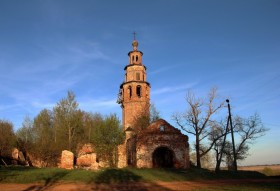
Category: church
[159,145]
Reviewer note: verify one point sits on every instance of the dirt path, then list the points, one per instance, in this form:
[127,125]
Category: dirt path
[138,186]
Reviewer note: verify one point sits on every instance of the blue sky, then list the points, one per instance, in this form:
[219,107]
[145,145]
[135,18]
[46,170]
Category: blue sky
[48,47]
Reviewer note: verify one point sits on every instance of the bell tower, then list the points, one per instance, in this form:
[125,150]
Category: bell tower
[134,93]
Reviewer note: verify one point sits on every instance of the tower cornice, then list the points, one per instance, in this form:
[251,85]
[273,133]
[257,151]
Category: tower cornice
[135,81]
[135,51]
[129,65]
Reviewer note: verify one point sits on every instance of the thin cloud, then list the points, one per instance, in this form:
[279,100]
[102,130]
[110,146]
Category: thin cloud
[41,105]
[91,104]
[87,50]
[38,79]
[163,69]
[8,107]
[173,88]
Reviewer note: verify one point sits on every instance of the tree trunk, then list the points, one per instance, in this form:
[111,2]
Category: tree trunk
[198,163]
[89,132]
[69,138]
[55,134]
[218,165]
[220,157]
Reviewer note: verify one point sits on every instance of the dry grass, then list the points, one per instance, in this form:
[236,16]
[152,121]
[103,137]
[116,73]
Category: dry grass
[268,170]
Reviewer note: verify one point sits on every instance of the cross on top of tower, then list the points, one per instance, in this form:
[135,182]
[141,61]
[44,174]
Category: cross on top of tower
[134,43]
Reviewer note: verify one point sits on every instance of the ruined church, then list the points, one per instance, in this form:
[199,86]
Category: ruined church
[159,145]
[156,145]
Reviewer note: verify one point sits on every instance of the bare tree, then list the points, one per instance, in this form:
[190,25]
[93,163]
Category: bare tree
[245,130]
[154,113]
[207,161]
[25,135]
[196,120]
[219,133]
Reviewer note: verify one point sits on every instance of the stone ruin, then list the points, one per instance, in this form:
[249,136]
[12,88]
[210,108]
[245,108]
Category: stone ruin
[86,159]
[18,158]
[160,145]
[67,160]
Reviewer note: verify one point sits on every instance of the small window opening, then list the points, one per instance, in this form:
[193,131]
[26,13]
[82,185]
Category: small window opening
[129,91]
[162,128]
[132,58]
[97,159]
[138,91]
[137,76]
[136,58]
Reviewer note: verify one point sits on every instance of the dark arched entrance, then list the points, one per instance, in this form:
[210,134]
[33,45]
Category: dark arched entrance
[163,158]
[131,152]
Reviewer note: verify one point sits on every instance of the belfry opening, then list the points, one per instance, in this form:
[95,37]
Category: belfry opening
[163,158]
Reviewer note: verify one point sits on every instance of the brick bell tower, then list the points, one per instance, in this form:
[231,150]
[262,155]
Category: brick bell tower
[134,93]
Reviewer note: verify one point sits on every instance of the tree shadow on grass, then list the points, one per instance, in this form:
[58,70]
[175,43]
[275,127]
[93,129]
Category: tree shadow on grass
[49,181]
[116,176]
[121,180]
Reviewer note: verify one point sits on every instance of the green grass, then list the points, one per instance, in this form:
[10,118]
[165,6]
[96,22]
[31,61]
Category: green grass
[168,175]
[45,175]
[28,175]
[50,176]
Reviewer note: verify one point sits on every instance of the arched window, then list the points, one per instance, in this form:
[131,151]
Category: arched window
[132,58]
[136,58]
[138,91]
[129,91]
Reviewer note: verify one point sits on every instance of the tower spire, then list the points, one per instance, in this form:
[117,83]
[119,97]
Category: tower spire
[134,43]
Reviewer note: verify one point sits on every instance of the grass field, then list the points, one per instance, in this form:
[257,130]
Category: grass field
[268,170]
[170,179]
[31,175]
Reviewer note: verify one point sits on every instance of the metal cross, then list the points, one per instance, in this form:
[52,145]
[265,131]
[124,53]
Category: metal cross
[134,35]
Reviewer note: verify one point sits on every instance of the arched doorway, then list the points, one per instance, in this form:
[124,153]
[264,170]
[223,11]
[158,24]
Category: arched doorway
[163,158]
[131,152]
